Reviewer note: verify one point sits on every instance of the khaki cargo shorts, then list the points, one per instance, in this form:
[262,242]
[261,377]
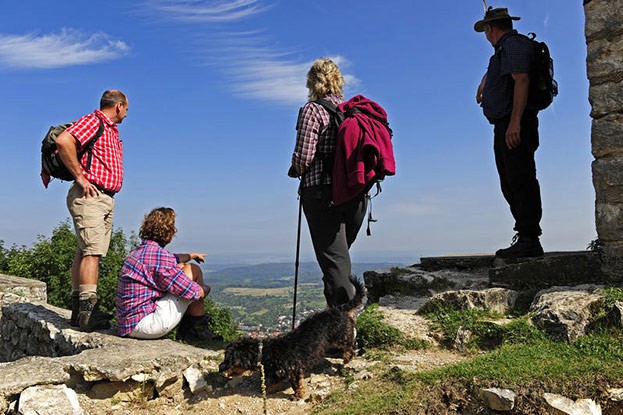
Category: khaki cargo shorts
[92,218]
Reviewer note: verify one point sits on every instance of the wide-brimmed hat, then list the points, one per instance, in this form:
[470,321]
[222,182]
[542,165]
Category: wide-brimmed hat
[493,14]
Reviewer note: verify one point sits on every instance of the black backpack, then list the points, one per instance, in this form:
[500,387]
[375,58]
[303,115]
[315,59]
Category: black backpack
[543,87]
[50,159]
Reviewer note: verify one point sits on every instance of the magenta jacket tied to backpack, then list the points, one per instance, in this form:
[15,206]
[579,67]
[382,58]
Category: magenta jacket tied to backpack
[364,150]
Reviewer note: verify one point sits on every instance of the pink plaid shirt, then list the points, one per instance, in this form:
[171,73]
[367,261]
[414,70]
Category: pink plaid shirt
[314,126]
[106,170]
[148,273]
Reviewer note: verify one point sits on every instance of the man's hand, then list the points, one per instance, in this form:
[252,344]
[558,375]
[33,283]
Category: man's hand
[88,188]
[513,135]
[481,87]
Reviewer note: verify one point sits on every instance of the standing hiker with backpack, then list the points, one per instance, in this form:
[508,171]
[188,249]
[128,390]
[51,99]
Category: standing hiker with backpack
[90,200]
[333,228]
[503,95]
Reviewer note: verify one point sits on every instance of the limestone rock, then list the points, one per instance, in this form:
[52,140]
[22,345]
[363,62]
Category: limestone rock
[196,380]
[49,400]
[561,405]
[34,370]
[461,341]
[600,16]
[499,300]
[603,61]
[416,281]
[615,394]
[565,312]
[498,399]
[605,138]
[123,391]
[555,268]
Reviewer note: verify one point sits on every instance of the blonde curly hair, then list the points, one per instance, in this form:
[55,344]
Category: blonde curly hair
[159,226]
[324,78]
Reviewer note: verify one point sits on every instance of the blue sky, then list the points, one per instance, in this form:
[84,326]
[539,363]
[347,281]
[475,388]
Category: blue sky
[214,90]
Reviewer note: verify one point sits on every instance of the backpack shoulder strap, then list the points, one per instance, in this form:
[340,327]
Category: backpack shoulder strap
[328,105]
[336,116]
[89,147]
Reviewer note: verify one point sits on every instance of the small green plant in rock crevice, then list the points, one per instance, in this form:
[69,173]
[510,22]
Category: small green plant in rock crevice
[374,332]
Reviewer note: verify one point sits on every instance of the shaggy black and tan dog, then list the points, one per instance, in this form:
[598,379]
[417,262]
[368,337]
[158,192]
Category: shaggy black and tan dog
[288,356]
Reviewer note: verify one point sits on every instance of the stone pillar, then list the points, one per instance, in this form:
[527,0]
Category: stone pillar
[604,38]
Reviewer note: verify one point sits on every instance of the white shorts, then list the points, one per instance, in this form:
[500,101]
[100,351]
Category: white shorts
[169,312]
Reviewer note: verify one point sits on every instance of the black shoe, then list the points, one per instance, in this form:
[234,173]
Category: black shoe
[90,317]
[521,247]
[196,329]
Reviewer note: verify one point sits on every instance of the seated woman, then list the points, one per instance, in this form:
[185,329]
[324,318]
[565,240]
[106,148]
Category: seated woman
[158,289]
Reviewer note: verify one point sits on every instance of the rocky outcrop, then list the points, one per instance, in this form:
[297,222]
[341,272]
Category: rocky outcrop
[498,399]
[20,290]
[430,277]
[552,269]
[561,405]
[497,300]
[91,361]
[567,312]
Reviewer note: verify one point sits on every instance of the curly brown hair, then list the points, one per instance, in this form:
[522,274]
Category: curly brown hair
[159,226]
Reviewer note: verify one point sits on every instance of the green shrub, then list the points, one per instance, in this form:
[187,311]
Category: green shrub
[222,321]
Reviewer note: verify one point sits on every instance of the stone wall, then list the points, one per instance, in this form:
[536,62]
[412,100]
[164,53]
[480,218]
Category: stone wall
[20,290]
[604,38]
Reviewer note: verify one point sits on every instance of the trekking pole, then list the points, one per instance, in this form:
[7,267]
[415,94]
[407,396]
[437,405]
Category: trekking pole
[296,262]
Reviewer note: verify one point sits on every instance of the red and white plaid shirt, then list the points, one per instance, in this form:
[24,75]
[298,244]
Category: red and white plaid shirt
[315,137]
[106,170]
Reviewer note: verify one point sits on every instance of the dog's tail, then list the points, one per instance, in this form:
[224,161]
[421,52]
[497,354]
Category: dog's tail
[357,300]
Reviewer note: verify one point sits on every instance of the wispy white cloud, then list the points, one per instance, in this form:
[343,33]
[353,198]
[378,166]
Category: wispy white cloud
[67,48]
[256,71]
[204,10]
[251,67]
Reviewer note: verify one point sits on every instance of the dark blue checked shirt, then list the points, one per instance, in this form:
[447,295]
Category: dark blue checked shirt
[512,54]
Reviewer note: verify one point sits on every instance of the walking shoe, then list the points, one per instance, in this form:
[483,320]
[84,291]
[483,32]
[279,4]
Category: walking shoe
[521,247]
[75,310]
[196,329]
[90,318]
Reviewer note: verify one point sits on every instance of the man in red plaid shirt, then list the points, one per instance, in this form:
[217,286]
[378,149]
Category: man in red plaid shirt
[91,201]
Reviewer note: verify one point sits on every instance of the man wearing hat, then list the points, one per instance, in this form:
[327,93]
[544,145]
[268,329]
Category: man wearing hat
[503,95]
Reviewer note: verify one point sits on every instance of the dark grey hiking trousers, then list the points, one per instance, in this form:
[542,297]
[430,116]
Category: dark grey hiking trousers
[333,230]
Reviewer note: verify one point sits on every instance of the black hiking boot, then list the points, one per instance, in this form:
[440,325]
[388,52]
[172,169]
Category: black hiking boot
[90,317]
[521,247]
[196,329]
